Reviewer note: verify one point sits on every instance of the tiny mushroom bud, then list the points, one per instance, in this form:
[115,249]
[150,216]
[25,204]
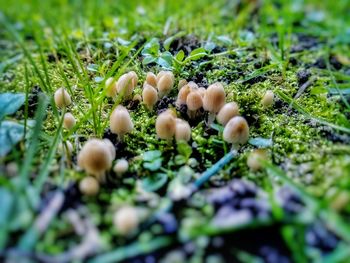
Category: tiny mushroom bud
[182,96]
[66,147]
[182,82]
[89,186]
[121,167]
[194,102]
[149,96]
[255,158]
[165,83]
[165,125]
[236,131]
[95,157]
[62,98]
[151,79]
[213,100]
[268,98]
[183,130]
[227,112]
[68,121]
[120,122]
[126,220]
[126,84]
[111,87]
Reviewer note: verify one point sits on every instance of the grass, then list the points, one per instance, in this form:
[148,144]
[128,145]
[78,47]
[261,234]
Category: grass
[249,46]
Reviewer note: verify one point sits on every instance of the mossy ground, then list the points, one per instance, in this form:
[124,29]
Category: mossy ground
[300,50]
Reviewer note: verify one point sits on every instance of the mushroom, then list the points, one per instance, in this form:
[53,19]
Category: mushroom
[126,84]
[236,131]
[165,83]
[62,98]
[194,102]
[227,112]
[95,158]
[121,167]
[120,122]
[68,121]
[213,100]
[151,79]
[182,130]
[66,147]
[111,87]
[268,98]
[89,186]
[254,159]
[110,147]
[193,85]
[149,96]
[126,220]
[165,125]
[182,96]
[137,98]
[182,82]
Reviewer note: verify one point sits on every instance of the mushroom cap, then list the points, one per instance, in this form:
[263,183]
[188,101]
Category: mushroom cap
[62,98]
[121,166]
[68,121]
[183,130]
[89,186]
[165,83]
[227,112]
[194,100]
[183,93]
[66,147]
[236,131]
[268,98]
[111,87]
[202,91]
[126,219]
[95,157]
[254,158]
[214,97]
[125,84]
[149,96]
[151,79]
[137,98]
[120,121]
[182,82]
[165,125]
[110,147]
[134,78]
[193,85]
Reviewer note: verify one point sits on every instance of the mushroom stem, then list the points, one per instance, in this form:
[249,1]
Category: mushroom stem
[211,118]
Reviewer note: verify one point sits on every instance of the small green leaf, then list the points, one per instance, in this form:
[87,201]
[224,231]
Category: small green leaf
[151,48]
[10,134]
[180,55]
[225,40]
[184,149]
[10,103]
[165,60]
[209,46]
[154,182]
[151,155]
[154,165]
[149,60]
[179,160]
[197,51]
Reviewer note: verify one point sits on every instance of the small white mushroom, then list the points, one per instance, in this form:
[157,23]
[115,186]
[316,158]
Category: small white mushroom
[121,167]
[68,121]
[126,84]
[183,130]
[194,102]
[268,98]
[151,79]
[165,83]
[62,98]
[89,186]
[149,96]
[126,220]
[236,131]
[111,87]
[227,112]
[213,100]
[182,96]
[120,122]
[165,125]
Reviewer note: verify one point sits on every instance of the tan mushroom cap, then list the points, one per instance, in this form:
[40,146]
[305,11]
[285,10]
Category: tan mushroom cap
[120,121]
[89,186]
[121,167]
[126,220]
[227,112]
[194,101]
[149,96]
[68,121]
[236,131]
[214,98]
[268,98]
[165,125]
[111,87]
[183,130]
[182,82]
[165,83]
[126,84]
[151,79]
[62,98]
[183,93]
[95,157]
